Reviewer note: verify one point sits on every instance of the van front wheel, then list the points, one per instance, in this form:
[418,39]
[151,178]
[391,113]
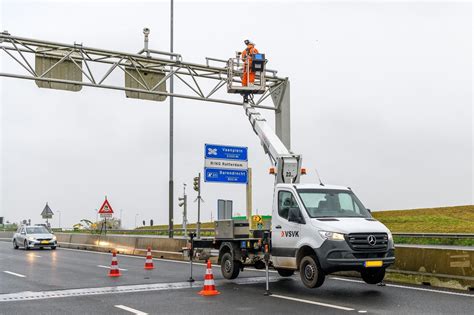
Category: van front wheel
[311,273]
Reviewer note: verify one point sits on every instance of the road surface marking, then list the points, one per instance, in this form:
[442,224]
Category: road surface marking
[410,288]
[343,308]
[42,295]
[362,311]
[108,267]
[15,274]
[131,310]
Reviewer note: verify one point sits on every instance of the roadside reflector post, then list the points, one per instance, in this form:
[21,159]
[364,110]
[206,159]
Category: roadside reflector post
[266,257]
[191,254]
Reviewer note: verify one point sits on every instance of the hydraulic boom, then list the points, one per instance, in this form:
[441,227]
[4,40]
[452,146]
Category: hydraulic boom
[287,164]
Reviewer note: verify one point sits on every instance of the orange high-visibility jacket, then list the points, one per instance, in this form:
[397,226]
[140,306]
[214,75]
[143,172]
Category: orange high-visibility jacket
[248,52]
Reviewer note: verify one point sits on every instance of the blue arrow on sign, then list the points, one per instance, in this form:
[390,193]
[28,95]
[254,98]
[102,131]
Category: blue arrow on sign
[216,151]
[225,176]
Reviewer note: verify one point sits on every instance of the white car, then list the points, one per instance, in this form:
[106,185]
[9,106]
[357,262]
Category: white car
[34,236]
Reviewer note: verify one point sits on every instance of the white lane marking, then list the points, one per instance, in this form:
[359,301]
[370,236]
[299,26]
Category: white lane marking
[15,274]
[108,267]
[34,255]
[410,288]
[42,295]
[131,310]
[343,308]
[362,311]
[157,259]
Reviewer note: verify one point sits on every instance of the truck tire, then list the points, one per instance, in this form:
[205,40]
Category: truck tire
[230,268]
[285,272]
[311,273]
[373,275]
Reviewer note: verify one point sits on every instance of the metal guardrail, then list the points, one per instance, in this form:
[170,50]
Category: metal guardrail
[437,235]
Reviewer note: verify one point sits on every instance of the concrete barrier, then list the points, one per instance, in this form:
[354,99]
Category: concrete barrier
[124,244]
[6,236]
[441,266]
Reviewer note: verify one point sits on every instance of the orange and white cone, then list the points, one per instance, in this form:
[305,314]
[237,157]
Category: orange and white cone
[114,269]
[149,260]
[209,285]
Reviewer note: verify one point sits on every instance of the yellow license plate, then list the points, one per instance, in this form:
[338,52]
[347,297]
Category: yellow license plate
[44,242]
[373,263]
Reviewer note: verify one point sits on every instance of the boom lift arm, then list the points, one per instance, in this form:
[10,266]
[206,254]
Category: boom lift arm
[287,164]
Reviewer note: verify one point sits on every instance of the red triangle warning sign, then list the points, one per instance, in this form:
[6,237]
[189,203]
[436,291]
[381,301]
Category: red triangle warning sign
[106,208]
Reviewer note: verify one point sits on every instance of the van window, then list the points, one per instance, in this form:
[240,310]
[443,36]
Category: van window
[285,202]
[347,203]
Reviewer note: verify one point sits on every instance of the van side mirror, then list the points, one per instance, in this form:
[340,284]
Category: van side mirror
[22,233]
[294,215]
[370,211]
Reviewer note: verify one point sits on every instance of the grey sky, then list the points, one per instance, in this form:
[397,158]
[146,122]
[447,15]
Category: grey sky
[381,98]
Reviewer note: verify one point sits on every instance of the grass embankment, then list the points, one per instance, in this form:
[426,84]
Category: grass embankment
[459,219]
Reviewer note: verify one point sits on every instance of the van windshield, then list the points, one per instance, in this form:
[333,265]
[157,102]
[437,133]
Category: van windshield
[320,203]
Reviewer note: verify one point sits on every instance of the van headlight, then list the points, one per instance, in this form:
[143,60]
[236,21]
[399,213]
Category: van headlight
[54,237]
[390,236]
[332,236]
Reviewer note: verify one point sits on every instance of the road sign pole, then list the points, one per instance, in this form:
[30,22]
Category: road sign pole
[185,215]
[248,191]
[199,209]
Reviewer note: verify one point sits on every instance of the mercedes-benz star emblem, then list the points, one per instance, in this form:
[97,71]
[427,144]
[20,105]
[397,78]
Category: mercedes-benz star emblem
[372,240]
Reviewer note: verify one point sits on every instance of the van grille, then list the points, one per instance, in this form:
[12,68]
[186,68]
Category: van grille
[360,241]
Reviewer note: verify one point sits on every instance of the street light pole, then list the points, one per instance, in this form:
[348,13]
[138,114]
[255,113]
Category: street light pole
[171,183]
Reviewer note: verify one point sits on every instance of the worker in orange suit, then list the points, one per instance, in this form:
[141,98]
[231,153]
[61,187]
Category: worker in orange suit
[248,75]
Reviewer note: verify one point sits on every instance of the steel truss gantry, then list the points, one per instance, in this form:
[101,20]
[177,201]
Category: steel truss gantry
[143,75]
[198,81]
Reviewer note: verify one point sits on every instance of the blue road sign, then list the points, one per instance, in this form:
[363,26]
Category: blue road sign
[215,151]
[225,176]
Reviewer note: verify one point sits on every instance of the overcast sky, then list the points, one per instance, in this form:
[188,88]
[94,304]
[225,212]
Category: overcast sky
[381,100]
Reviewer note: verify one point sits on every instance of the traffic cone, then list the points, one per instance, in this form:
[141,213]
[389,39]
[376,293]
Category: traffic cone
[209,285]
[114,269]
[149,260]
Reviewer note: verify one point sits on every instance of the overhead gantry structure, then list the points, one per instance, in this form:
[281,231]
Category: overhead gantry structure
[143,75]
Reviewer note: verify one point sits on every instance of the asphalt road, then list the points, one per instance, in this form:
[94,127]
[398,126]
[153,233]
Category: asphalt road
[71,282]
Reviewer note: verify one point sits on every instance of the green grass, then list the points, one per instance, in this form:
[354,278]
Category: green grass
[459,219]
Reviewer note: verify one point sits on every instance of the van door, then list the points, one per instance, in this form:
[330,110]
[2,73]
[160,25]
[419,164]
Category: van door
[285,234]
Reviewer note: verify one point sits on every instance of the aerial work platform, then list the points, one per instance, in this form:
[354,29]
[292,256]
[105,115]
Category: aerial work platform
[237,68]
